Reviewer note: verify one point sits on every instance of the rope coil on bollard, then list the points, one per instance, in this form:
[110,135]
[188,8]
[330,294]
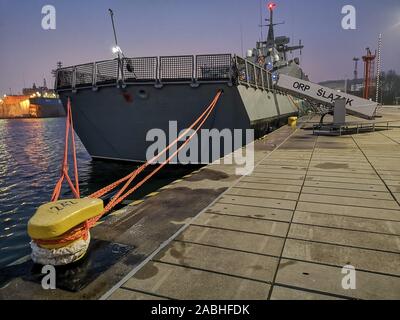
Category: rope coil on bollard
[81,231]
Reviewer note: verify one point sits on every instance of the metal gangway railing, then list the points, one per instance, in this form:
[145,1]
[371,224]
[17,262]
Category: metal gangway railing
[325,98]
[191,69]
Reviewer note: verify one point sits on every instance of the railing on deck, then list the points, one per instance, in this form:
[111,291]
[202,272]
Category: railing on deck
[140,69]
[176,68]
[253,75]
[163,70]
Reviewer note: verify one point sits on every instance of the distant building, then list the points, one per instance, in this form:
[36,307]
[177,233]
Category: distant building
[39,92]
[14,106]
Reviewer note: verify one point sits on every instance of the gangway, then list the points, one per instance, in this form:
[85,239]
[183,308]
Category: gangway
[326,97]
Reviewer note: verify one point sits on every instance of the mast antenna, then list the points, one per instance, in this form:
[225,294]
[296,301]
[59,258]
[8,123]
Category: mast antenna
[241,40]
[118,50]
[271,34]
[113,26]
[261,20]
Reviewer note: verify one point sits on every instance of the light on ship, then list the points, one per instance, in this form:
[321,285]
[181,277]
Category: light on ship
[116,49]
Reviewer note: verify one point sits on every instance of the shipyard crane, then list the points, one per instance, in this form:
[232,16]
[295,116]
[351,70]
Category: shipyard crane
[368,59]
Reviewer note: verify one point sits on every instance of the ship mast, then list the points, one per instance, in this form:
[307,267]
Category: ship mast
[116,49]
[271,35]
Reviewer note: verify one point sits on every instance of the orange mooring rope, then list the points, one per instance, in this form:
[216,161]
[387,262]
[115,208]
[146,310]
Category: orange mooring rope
[82,230]
[69,127]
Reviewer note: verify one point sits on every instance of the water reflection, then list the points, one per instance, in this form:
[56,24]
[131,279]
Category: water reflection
[30,157]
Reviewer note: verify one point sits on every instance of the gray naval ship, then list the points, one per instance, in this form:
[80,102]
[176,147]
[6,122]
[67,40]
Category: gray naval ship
[116,102]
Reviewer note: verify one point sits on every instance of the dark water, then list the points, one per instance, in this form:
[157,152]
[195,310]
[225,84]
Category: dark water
[30,156]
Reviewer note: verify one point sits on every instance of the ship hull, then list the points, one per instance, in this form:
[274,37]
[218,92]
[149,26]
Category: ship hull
[46,108]
[113,123]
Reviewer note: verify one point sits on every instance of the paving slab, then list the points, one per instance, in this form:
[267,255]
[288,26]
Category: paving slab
[283,293]
[269,187]
[328,280]
[342,170]
[269,181]
[291,176]
[336,255]
[252,212]
[371,175]
[394,189]
[346,237]
[333,166]
[237,191]
[259,202]
[260,226]
[352,211]
[230,262]
[350,201]
[347,193]
[344,180]
[177,282]
[346,222]
[128,294]
[346,186]
[235,240]
[389,176]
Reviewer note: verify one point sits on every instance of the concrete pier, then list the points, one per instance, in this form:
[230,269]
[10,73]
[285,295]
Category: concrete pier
[313,205]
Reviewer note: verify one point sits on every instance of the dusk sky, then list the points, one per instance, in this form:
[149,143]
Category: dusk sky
[172,27]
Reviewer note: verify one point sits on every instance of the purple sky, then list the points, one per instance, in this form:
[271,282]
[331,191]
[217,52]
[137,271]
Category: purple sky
[170,27]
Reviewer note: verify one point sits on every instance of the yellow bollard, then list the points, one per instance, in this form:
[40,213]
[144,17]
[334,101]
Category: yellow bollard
[292,121]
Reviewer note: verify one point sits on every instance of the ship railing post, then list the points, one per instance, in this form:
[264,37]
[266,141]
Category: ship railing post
[120,69]
[262,78]
[94,77]
[247,72]
[230,75]
[237,67]
[119,80]
[194,72]
[255,76]
[73,84]
[158,70]
[94,74]
[122,63]
[158,83]
[193,68]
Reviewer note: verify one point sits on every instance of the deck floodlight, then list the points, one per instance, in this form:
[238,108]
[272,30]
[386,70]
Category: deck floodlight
[116,50]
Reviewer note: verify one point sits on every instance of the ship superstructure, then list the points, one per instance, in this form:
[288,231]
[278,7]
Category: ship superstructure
[117,102]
